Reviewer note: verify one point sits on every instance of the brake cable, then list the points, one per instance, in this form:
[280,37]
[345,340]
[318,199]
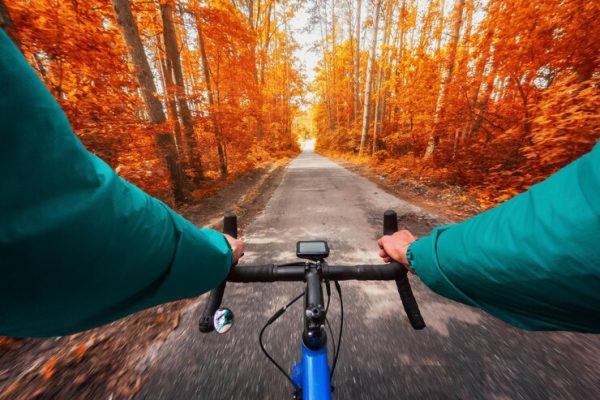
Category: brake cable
[274,318]
[332,338]
[282,310]
[328,291]
[338,288]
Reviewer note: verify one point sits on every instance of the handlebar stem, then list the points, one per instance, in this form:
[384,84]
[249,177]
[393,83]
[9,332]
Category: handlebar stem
[314,335]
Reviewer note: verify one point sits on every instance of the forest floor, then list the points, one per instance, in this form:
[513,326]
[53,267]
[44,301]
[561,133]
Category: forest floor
[452,201]
[110,362]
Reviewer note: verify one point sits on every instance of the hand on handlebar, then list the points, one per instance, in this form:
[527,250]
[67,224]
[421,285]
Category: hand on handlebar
[237,246]
[394,247]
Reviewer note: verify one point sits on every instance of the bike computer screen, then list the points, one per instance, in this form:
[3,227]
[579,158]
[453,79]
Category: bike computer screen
[312,249]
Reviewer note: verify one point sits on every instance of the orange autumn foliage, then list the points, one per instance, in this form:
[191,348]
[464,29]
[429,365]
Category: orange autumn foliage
[80,350]
[48,369]
[520,97]
[78,50]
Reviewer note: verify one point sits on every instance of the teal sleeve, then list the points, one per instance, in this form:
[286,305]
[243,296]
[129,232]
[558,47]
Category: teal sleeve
[533,261]
[79,246]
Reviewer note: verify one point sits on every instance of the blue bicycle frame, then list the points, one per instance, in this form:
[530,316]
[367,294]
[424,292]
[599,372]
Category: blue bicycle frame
[311,374]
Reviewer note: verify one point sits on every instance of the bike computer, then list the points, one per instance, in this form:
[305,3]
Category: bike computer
[312,249]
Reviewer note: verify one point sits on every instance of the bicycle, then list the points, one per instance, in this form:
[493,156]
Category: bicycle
[311,376]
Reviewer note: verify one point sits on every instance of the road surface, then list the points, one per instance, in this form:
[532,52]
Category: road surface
[462,354]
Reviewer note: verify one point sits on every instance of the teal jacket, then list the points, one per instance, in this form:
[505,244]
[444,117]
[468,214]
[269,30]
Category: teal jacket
[533,261]
[80,246]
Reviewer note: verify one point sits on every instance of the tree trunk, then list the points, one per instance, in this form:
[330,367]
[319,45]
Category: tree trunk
[483,60]
[445,81]
[326,68]
[171,106]
[377,110]
[397,54]
[174,64]
[260,125]
[426,29]
[464,54]
[369,80]
[349,95]
[483,105]
[186,64]
[356,81]
[336,111]
[156,115]
[478,102]
[211,101]
[440,28]
[288,95]
[265,45]
[380,99]
[526,135]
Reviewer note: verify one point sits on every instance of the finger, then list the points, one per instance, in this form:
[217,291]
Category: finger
[387,259]
[382,254]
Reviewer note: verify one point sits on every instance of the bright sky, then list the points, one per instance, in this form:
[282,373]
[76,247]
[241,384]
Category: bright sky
[305,40]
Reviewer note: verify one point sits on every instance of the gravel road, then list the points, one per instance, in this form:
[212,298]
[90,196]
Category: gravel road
[462,354]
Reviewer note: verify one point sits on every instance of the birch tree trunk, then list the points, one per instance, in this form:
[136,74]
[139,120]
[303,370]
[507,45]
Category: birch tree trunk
[424,37]
[397,55]
[440,28]
[336,106]
[482,62]
[211,101]
[164,140]
[482,106]
[171,105]
[369,80]
[356,81]
[260,124]
[327,68]
[445,81]
[351,105]
[174,64]
[379,101]
[288,95]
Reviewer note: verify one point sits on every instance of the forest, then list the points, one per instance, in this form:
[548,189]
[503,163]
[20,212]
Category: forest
[181,97]
[178,97]
[490,95]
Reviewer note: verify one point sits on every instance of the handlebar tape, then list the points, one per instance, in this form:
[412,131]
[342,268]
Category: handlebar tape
[411,308]
[409,302]
[215,298]
[206,324]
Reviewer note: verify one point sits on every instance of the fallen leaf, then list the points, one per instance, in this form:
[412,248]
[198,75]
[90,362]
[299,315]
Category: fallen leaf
[49,368]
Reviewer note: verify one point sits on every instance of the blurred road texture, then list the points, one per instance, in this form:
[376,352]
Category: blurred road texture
[462,354]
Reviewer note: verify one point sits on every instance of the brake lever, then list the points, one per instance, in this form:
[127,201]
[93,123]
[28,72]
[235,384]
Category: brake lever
[411,308]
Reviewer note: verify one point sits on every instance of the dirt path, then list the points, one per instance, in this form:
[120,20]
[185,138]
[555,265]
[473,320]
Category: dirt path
[463,353]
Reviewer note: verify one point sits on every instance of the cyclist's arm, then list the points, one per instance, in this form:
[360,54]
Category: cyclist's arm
[533,261]
[80,246]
